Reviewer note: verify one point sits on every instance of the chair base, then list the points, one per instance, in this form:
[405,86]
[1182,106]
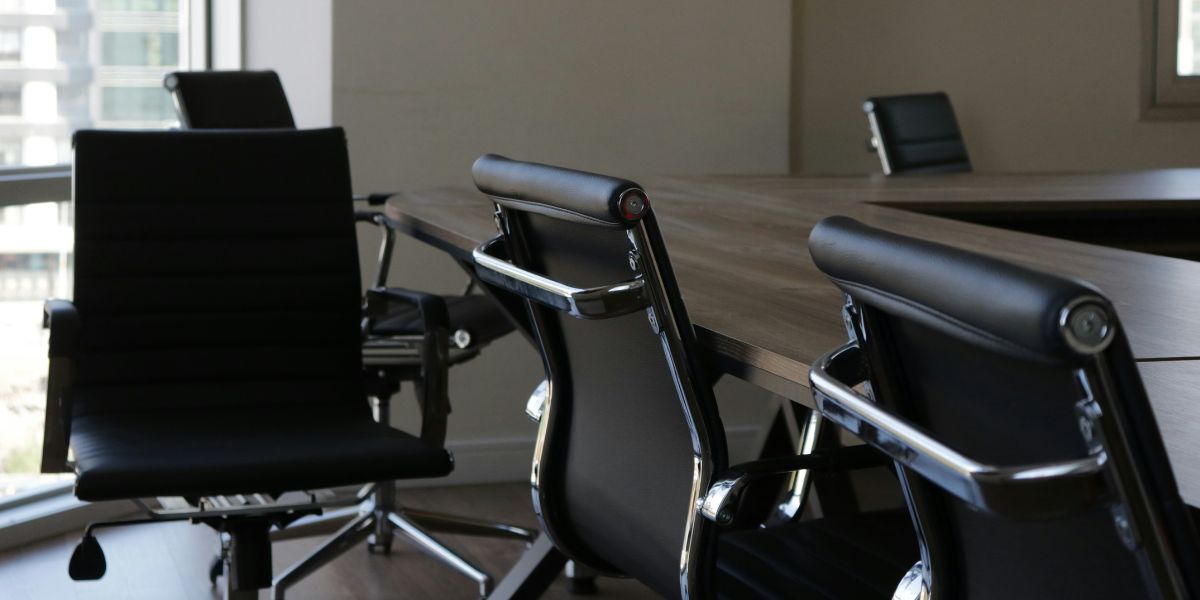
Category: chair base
[377,521]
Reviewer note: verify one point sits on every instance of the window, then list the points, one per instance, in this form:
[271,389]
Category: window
[10,45]
[1171,86]
[10,102]
[68,64]
[136,104]
[140,48]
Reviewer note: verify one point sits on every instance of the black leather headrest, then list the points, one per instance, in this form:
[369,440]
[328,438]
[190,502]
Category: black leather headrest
[230,99]
[566,194]
[915,116]
[980,299]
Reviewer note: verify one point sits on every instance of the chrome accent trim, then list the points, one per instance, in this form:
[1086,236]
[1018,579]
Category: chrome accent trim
[1086,325]
[582,303]
[535,407]
[714,505]
[912,585]
[1030,491]
[877,139]
[799,482]
[665,325]
[461,338]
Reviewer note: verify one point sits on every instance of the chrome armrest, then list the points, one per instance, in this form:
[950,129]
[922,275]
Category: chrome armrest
[535,407]
[62,319]
[582,303]
[1026,491]
[720,502]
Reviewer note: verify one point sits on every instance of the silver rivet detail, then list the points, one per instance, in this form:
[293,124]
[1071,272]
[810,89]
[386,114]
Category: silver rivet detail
[1086,326]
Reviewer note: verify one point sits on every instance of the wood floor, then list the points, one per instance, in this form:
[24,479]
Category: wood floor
[170,560]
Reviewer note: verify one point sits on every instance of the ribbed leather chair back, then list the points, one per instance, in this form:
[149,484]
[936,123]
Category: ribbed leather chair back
[917,134]
[230,100]
[217,270]
[972,350]
[617,471]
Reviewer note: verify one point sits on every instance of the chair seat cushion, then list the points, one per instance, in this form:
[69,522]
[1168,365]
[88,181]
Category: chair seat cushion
[198,453]
[478,315]
[861,556]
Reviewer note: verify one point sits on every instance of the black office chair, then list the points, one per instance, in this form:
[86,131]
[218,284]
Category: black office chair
[1011,403]
[392,349]
[916,133]
[631,459]
[213,349]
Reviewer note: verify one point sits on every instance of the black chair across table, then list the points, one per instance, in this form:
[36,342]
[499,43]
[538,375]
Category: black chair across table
[212,354]
[395,349]
[630,475]
[1029,454]
[916,133]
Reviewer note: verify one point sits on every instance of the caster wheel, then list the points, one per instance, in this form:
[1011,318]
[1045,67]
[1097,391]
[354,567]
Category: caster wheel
[216,568]
[582,586]
[374,547]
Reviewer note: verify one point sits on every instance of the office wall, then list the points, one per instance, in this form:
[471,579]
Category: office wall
[295,38]
[626,87]
[1038,86]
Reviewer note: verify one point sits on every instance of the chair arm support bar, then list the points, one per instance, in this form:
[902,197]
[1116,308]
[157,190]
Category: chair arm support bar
[62,319]
[432,307]
[720,503]
[582,303]
[375,198]
[369,216]
[1035,491]
[433,386]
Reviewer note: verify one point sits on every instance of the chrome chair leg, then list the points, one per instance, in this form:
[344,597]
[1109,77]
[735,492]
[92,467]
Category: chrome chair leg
[581,580]
[454,524]
[434,548]
[323,524]
[350,534]
[912,585]
[799,483]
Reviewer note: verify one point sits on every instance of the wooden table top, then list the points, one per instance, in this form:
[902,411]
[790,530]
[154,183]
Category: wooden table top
[738,245]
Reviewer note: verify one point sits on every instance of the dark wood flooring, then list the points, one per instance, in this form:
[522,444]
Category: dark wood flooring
[168,561]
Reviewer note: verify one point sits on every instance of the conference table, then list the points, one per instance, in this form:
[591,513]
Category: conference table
[764,313]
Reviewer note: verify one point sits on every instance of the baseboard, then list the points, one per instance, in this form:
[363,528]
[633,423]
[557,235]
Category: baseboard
[502,460]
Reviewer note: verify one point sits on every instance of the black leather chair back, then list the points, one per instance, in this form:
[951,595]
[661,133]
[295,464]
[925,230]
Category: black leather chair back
[917,134]
[230,100]
[631,433]
[994,360]
[216,270]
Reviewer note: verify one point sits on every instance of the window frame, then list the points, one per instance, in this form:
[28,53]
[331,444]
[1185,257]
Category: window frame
[1166,95]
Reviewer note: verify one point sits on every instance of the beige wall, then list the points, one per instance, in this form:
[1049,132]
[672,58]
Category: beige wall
[625,87]
[1037,85]
[295,38]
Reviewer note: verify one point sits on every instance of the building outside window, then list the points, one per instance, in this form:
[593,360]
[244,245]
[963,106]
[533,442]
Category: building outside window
[64,65]
[10,45]
[1188,54]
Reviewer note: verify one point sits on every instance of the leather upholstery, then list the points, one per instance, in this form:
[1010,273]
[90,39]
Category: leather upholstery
[566,194]
[230,100]
[217,285]
[940,327]
[615,485]
[919,133]
[860,557]
[198,451]
[1003,306]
